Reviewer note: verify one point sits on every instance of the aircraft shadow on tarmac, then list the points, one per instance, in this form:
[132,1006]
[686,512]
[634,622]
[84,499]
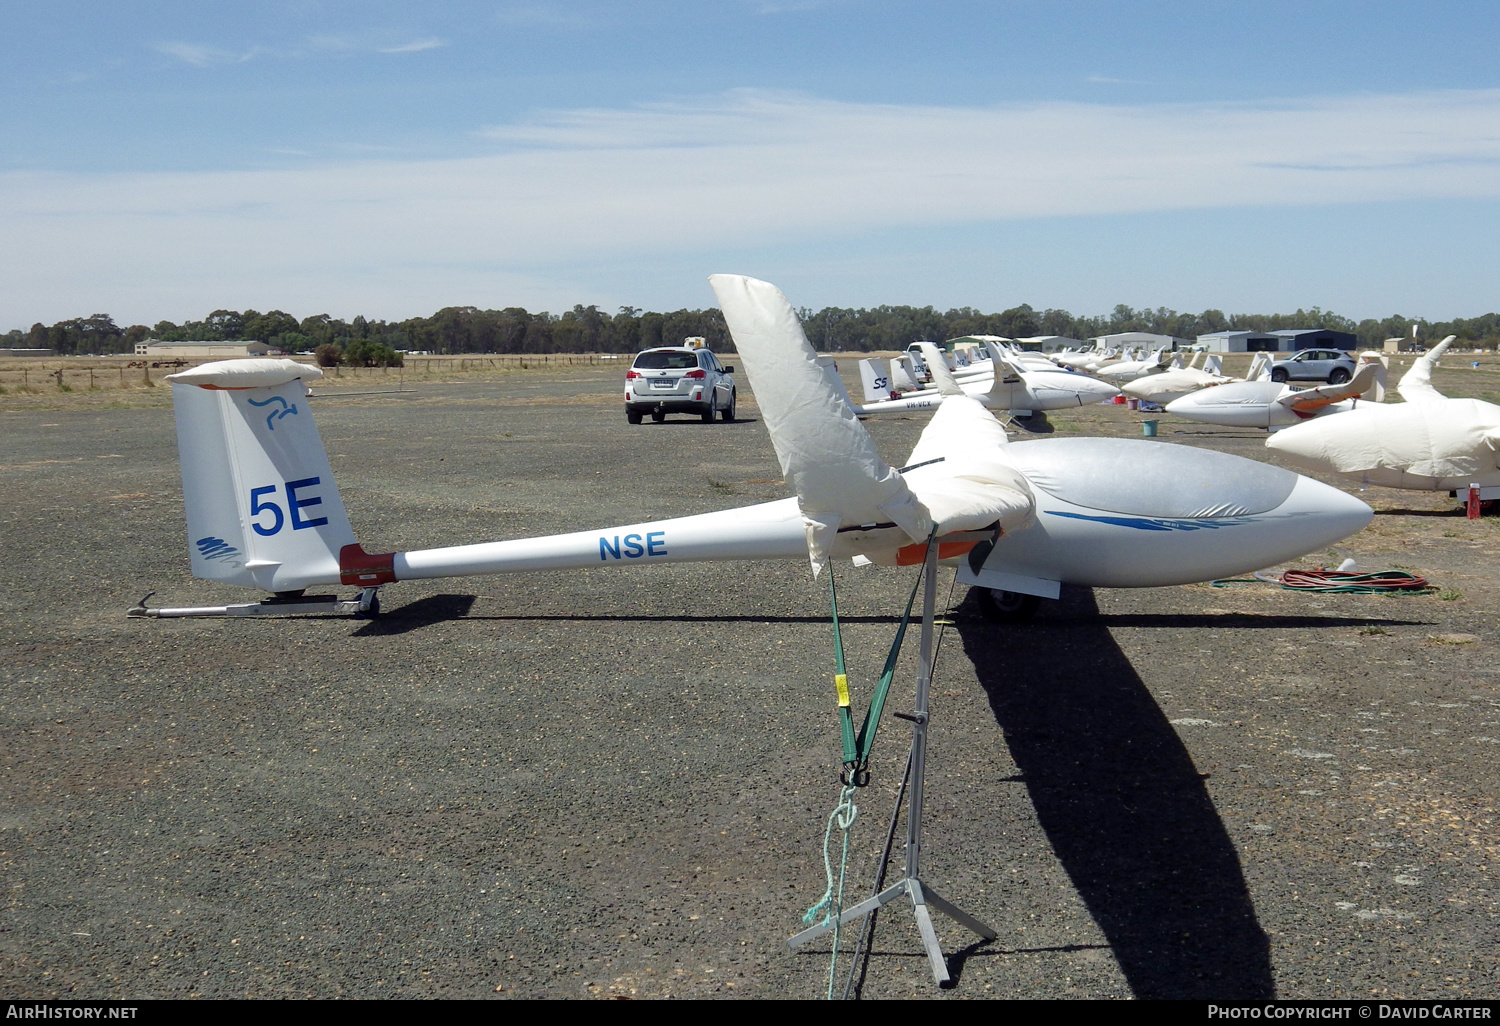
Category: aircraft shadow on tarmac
[1457,511]
[423,612]
[435,609]
[1122,804]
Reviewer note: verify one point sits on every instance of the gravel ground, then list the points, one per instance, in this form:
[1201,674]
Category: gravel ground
[614,782]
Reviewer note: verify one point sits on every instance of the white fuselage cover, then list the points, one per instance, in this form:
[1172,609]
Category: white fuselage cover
[1429,445]
[1123,513]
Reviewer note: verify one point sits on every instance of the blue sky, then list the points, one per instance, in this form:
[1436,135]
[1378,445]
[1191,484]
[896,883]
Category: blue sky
[161,160]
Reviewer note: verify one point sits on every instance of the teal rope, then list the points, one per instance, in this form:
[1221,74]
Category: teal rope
[831,904]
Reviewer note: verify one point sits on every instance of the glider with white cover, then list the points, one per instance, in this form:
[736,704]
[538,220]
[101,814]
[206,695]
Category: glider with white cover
[263,511]
[1427,443]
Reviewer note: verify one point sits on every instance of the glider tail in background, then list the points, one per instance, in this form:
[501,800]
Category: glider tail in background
[262,508]
[877,381]
[937,366]
[831,372]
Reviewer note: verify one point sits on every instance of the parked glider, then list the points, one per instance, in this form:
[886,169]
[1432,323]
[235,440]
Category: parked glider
[263,511]
[1011,388]
[1427,443]
[1275,404]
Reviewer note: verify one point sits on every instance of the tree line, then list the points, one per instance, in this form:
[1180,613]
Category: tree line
[587,329]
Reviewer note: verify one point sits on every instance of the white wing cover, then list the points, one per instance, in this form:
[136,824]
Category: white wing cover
[827,457]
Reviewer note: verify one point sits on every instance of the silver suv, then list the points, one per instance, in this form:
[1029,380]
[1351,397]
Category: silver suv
[678,379]
[1331,365]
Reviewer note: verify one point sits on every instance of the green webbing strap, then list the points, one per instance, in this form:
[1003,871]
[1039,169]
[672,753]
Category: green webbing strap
[840,677]
[871,725]
[857,749]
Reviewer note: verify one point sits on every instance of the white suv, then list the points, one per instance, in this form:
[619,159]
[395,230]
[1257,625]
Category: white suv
[677,379]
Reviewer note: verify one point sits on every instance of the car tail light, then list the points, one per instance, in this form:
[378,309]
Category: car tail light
[699,373]
[631,374]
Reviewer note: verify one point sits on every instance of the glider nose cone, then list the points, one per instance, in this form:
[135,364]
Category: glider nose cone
[1305,445]
[1092,390]
[1326,514]
[1184,406]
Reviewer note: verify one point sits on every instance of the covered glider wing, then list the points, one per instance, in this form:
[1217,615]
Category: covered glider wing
[1308,402]
[262,508]
[824,451]
[962,474]
[1416,384]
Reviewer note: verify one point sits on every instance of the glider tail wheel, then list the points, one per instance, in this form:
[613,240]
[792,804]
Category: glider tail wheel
[1006,606]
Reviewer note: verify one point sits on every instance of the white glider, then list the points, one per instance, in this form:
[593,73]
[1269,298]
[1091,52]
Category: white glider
[263,511]
[1011,388]
[1427,443]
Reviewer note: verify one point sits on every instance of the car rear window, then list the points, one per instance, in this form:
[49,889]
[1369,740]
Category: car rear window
[666,359]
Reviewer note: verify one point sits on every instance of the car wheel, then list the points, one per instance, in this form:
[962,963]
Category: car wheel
[728,412]
[634,416]
[708,414]
[1278,374]
[1006,606]
[657,416]
[1338,376]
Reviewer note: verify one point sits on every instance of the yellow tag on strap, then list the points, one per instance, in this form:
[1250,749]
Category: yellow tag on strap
[842,683]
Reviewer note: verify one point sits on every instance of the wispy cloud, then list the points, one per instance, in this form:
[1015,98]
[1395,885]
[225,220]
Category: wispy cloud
[415,46]
[740,170]
[201,56]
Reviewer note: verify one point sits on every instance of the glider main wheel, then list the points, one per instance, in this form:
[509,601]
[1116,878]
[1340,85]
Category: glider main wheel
[634,416]
[657,416]
[1279,374]
[1006,606]
[728,412]
[1338,376]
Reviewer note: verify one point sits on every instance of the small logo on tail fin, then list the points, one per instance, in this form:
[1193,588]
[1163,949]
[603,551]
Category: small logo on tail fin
[275,415]
[216,548]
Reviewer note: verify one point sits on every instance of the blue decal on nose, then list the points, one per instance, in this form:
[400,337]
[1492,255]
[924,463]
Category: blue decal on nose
[1161,524]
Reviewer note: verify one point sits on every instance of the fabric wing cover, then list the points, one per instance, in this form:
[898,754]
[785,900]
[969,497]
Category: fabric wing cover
[825,453]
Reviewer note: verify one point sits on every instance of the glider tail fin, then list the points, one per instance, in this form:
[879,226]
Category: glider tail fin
[876,380]
[1382,363]
[831,372]
[937,366]
[262,507]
